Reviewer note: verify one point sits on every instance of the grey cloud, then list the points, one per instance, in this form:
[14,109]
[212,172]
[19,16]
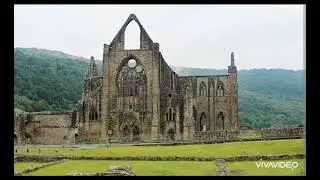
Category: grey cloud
[262,36]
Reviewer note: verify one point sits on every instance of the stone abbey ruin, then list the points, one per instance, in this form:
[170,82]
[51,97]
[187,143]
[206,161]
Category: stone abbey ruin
[139,98]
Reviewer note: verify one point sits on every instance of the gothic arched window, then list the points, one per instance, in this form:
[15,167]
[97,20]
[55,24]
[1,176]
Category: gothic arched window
[220,121]
[132,81]
[202,122]
[220,89]
[202,89]
[170,114]
[90,115]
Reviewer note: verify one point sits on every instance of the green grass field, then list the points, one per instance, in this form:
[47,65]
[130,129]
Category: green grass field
[273,147]
[249,168]
[20,166]
[141,168]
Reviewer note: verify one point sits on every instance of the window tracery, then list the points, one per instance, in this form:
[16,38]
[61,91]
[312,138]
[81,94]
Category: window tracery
[132,82]
[202,89]
[220,89]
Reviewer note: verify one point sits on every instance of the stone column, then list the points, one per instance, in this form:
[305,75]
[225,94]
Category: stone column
[178,136]
[104,94]
[154,94]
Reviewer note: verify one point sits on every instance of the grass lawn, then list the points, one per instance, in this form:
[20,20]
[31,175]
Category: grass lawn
[249,168]
[273,147]
[20,166]
[141,168]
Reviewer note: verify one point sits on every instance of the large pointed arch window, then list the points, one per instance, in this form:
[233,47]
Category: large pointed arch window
[132,36]
[132,81]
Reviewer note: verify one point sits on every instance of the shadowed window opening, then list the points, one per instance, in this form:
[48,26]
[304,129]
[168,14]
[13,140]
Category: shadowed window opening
[220,121]
[202,122]
[126,133]
[220,89]
[170,135]
[136,134]
[132,82]
[202,89]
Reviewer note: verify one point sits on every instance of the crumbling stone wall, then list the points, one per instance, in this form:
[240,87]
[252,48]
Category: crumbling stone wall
[44,128]
[111,171]
[290,132]
[218,135]
[250,133]
[20,120]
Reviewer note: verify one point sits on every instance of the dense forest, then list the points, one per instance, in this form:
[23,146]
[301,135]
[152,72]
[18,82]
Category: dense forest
[47,80]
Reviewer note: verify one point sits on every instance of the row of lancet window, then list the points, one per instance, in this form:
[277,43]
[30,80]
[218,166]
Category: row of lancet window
[203,89]
[93,115]
[170,115]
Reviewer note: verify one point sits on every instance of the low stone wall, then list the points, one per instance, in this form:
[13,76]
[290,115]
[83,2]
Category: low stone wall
[51,113]
[247,133]
[211,136]
[42,158]
[31,169]
[288,132]
[88,140]
[34,168]
[111,171]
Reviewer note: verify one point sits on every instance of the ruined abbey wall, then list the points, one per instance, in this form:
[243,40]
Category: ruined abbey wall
[138,98]
[289,132]
[43,128]
[170,124]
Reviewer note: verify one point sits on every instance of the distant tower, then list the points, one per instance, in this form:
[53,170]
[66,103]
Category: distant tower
[92,69]
[91,94]
[232,59]
[232,69]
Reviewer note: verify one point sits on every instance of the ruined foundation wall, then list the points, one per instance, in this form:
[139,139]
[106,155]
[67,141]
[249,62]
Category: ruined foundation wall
[250,133]
[220,135]
[290,132]
[44,128]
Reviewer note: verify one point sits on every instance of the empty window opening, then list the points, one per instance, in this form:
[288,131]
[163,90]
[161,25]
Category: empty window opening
[90,115]
[132,36]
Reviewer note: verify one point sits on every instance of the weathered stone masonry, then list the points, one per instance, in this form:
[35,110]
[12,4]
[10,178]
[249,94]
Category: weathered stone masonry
[139,97]
[43,128]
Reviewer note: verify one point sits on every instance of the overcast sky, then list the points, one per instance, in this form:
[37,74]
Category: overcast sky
[261,36]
